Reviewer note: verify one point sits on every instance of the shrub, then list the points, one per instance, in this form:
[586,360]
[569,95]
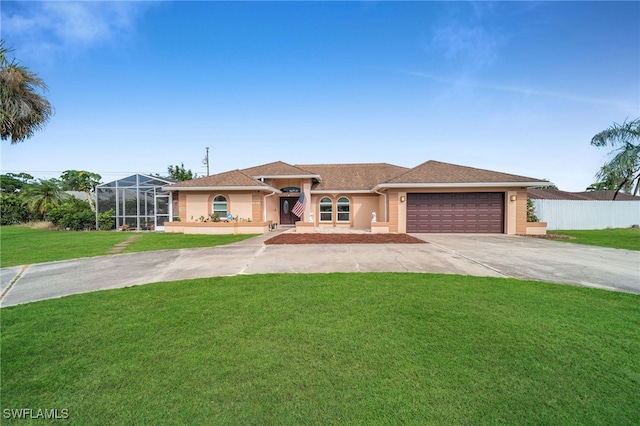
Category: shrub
[13,209]
[531,211]
[106,221]
[73,214]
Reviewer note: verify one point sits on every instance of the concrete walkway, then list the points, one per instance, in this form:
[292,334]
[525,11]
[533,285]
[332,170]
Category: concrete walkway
[479,255]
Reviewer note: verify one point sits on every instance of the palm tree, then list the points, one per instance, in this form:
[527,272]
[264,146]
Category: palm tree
[22,109]
[623,168]
[42,196]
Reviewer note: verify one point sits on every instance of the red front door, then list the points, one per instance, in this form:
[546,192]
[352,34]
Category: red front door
[286,205]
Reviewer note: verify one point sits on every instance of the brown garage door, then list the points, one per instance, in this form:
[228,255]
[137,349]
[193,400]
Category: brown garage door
[456,212]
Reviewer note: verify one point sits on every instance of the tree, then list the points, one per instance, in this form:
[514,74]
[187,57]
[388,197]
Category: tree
[12,183]
[43,195]
[23,110]
[83,181]
[179,173]
[623,168]
[12,209]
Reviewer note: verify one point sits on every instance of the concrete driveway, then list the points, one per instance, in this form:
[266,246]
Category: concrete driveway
[553,261]
[480,255]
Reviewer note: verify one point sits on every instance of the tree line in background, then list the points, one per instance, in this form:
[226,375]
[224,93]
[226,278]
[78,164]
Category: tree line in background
[26,199]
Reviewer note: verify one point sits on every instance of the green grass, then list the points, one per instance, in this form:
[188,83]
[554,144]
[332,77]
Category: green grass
[620,238]
[161,241]
[328,349]
[20,245]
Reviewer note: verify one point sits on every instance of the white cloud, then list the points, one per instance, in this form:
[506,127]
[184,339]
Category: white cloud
[39,28]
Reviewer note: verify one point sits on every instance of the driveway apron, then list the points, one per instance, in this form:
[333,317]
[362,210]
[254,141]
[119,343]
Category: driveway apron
[545,260]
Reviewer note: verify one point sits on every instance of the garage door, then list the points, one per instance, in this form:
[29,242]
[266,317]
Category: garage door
[456,212]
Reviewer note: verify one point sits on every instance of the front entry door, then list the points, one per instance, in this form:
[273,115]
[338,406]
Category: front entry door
[286,205]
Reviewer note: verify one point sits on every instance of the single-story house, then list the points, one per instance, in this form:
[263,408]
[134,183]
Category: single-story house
[431,197]
[555,194]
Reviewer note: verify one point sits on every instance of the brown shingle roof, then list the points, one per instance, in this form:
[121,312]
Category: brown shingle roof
[277,168]
[438,172]
[352,177]
[554,194]
[355,177]
[226,179]
[608,195]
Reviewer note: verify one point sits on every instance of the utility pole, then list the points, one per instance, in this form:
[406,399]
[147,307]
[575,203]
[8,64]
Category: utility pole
[206,160]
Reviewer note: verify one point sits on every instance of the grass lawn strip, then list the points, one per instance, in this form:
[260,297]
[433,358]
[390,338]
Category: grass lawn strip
[620,238]
[329,349]
[20,245]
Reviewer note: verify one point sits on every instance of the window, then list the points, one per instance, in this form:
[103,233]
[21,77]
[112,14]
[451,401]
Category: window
[220,206]
[343,209]
[326,209]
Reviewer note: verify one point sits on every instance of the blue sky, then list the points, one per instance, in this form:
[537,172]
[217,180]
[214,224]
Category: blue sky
[517,87]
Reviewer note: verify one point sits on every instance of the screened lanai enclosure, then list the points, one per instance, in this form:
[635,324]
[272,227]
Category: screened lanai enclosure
[138,202]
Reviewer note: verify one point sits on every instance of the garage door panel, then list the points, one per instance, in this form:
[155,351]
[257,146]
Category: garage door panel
[464,212]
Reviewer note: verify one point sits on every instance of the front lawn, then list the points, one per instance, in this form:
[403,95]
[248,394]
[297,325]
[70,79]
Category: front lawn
[620,238]
[20,245]
[328,349]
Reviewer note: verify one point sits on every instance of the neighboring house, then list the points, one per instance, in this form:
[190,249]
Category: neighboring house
[555,194]
[78,194]
[431,197]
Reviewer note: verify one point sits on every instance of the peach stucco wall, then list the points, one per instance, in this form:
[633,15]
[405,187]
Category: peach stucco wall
[194,205]
[216,227]
[360,209]
[265,207]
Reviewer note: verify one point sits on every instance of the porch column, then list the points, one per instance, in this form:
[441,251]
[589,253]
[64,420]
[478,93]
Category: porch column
[306,189]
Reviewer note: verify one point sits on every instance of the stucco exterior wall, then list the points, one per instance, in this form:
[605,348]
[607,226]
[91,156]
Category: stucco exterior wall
[182,207]
[239,205]
[521,211]
[396,221]
[360,208]
[214,228]
[260,207]
[271,209]
[197,205]
[256,207]
[194,205]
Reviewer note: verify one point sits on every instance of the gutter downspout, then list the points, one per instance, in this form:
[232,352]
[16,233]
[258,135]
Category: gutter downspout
[386,219]
[264,206]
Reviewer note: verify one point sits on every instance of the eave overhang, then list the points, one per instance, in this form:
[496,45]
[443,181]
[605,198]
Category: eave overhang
[222,188]
[342,191]
[459,185]
[317,177]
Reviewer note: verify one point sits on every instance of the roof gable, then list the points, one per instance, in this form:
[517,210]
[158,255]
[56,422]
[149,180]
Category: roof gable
[352,177]
[233,178]
[438,172]
[277,169]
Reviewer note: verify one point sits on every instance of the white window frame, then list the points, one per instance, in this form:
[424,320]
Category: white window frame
[324,203]
[226,204]
[339,213]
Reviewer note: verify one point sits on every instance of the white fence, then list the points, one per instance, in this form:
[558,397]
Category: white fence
[578,214]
